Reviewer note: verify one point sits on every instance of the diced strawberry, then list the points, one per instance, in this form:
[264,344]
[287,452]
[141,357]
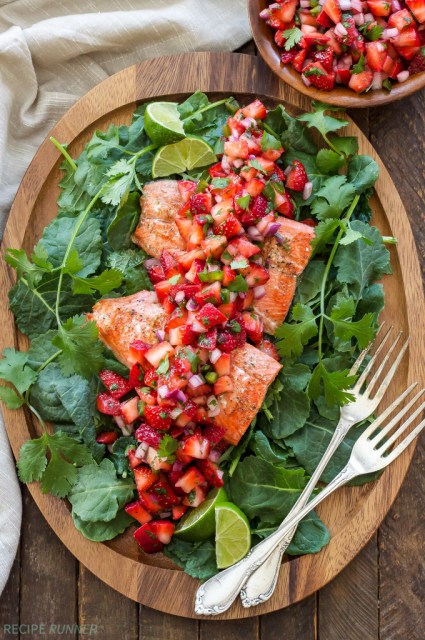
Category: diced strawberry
[361,81]
[320,78]
[195,497]
[298,60]
[214,245]
[407,38]
[408,53]
[257,275]
[254,326]
[379,7]
[297,177]
[332,9]
[211,293]
[228,309]
[418,63]
[200,203]
[230,227]
[212,473]
[210,316]
[164,494]
[223,364]
[136,375]
[256,109]
[177,319]
[108,405]
[162,289]
[333,42]
[375,55]
[417,7]
[315,38]
[169,264]
[286,206]
[254,187]
[190,479]
[400,19]
[146,433]
[137,350]
[213,433]
[133,459]
[178,511]
[158,417]
[107,437]
[196,236]
[156,462]
[144,477]
[228,276]
[147,540]
[192,274]
[227,341]
[130,410]
[208,340]
[184,212]
[267,166]
[245,247]
[195,446]
[183,335]
[216,171]
[202,390]
[151,379]
[324,20]
[184,225]
[269,348]
[158,353]
[343,76]
[224,384]
[136,511]
[155,271]
[186,188]
[163,529]
[325,57]
[237,149]
[259,206]
[245,303]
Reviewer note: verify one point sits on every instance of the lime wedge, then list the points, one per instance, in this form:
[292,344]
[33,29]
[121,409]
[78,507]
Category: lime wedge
[199,523]
[190,153]
[232,535]
[162,123]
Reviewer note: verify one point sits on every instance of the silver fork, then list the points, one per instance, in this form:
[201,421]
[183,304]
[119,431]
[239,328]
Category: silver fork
[370,453]
[261,584]
[358,410]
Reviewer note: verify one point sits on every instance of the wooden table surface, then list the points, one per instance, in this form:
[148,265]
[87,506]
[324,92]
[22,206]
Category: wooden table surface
[379,596]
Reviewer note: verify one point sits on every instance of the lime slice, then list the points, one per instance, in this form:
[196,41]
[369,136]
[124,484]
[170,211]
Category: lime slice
[162,122]
[232,535]
[199,523]
[190,153]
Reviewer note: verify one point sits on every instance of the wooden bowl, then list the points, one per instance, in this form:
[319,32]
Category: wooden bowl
[341,96]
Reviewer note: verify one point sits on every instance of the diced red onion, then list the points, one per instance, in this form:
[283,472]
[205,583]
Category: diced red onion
[180,396]
[287,170]
[272,228]
[176,412]
[231,249]
[265,14]
[232,296]
[238,163]
[251,156]
[110,448]
[307,191]
[247,122]
[390,33]
[119,422]
[160,334]
[368,17]
[188,430]
[213,406]
[262,225]
[345,62]
[213,267]
[356,5]
[192,305]
[254,234]
[196,381]
[199,400]
[163,391]
[380,47]
[214,455]
[198,327]
[242,295]
[225,164]
[232,138]
[279,237]
[165,514]
[151,262]
[127,430]
[377,80]
[305,80]
[340,30]
[403,76]
[218,198]
[179,297]
[305,4]
[395,6]
[259,292]
[142,450]
[215,355]
[345,5]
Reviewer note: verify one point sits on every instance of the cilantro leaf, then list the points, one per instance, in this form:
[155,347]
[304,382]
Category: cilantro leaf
[371,30]
[323,123]
[294,335]
[359,66]
[18,259]
[333,198]
[238,284]
[332,384]
[103,283]
[292,37]
[102,143]
[14,369]
[82,352]
[121,228]
[270,142]
[324,232]
[329,161]
[98,494]
[241,263]
[362,173]
[101,531]
[314,71]
[59,474]
[121,179]
[344,326]
[163,366]
[10,398]
[168,447]
[348,145]
[289,130]
[243,201]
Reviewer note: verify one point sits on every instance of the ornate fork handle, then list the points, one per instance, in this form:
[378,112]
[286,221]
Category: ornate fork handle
[217,594]
[261,584]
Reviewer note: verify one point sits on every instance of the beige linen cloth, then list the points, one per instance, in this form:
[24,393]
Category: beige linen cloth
[51,53]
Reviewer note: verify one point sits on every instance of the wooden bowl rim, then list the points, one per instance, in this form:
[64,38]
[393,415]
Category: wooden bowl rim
[340,96]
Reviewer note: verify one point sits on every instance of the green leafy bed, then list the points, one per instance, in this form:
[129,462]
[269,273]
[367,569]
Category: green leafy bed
[86,252]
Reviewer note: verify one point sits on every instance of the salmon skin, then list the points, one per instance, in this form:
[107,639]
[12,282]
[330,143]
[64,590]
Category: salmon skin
[120,321]
[252,372]
[285,262]
[156,230]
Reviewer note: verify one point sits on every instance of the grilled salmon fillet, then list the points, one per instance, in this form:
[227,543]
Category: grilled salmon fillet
[120,321]
[285,262]
[252,371]
[156,230]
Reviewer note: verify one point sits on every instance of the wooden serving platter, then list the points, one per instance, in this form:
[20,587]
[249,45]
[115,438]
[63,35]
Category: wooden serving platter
[353,514]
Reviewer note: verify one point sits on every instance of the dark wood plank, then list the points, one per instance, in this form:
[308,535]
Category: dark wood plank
[103,612]
[49,577]
[348,606]
[402,559]
[297,622]
[248,628]
[154,625]
[9,601]
[361,118]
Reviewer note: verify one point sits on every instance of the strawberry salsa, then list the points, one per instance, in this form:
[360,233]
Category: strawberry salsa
[174,390]
[361,44]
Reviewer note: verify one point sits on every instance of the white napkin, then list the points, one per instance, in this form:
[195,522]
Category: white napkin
[48,59]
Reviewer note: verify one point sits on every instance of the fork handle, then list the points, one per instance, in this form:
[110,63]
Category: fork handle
[218,593]
[261,584]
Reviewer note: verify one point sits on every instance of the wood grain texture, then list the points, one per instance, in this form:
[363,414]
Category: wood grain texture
[154,625]
[10,598]
[353,514]
[234,630]
[299,621]
[341,96]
